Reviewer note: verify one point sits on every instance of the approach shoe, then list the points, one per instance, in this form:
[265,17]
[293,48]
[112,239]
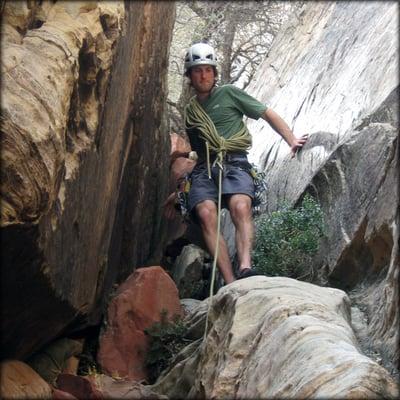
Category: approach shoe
[247,272]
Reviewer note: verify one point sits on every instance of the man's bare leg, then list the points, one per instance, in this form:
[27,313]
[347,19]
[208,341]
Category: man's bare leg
[241,213]
[207,214]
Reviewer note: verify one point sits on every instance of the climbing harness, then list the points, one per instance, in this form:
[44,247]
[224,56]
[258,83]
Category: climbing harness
[196,117]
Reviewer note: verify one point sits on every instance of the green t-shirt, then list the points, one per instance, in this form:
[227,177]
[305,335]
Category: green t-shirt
[226,107]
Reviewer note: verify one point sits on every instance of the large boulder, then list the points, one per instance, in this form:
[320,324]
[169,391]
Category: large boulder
[138,304]
[84,161]
[332,73]
[20,381]
[187,272]
[117,388]
[99,386]
[276,338]
[81,387]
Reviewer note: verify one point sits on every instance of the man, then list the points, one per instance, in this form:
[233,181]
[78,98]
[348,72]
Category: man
[223,142]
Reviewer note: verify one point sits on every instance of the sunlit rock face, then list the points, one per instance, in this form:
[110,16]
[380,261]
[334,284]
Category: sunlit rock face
[330,67]
[84,158]
[332,73]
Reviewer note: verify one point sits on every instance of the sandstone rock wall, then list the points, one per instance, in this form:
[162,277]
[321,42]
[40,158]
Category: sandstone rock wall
[332,73]
[330,67]
[19,381]
[275,338]
[84,159]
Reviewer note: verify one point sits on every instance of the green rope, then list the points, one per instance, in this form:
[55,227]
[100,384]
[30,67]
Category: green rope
[196,117]
[214,267]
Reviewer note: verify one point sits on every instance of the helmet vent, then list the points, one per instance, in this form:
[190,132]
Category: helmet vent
[200,54]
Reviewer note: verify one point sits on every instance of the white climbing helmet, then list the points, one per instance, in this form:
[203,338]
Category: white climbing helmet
[200,54]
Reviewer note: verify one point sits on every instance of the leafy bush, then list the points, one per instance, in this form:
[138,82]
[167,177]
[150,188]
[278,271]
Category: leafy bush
[166,341]
[287,239]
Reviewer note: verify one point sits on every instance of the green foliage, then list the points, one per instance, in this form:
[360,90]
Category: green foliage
[287,239]
[166,341]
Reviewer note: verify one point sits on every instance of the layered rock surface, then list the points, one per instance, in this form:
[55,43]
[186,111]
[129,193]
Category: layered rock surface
[276,338]
[20,381]
[332,73]
[84,160]
[329,68]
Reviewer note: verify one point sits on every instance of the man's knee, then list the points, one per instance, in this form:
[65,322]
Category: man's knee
[206,213]
[241,208]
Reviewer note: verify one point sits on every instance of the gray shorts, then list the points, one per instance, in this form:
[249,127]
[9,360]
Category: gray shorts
[236,179]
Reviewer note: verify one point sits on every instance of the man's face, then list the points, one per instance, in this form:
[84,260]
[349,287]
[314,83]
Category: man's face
[202,78]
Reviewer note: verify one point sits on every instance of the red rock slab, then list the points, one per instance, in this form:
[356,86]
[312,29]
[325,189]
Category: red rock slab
[137,305]
[61,395]
[78,386]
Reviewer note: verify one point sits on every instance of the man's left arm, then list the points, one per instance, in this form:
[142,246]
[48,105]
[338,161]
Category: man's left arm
[281,127]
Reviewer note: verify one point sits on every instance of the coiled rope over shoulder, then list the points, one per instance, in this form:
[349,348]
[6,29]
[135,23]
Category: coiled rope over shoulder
[196,117]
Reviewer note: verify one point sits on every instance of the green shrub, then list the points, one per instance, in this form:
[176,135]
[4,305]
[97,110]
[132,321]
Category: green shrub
[287,239]
[166,340]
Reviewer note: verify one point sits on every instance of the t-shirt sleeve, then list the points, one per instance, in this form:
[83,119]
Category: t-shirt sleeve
[247,104]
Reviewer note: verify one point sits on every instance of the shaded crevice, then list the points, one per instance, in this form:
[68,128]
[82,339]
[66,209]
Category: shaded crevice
[73,121]
[388,112]
[35,24]
[85,91]
[35,294]
[380,245]
[362,260]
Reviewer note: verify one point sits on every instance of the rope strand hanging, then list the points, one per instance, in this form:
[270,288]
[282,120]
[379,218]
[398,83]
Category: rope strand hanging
[196,117]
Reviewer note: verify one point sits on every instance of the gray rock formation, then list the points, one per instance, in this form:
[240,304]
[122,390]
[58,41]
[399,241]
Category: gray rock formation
[332,73]
[276,338]
[332,66]
[193,267]
[84,159]
[187,271]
